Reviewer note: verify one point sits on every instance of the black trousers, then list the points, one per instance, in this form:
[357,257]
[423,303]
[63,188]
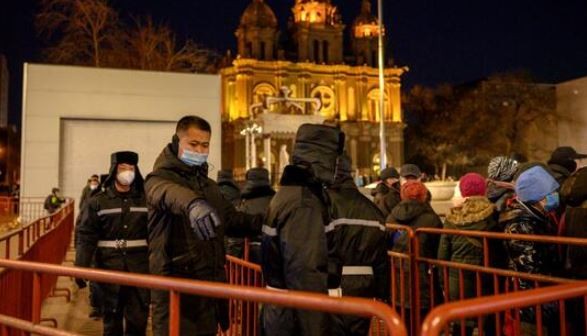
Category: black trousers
[130,317]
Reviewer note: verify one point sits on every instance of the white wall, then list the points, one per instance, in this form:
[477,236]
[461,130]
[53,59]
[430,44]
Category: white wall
[65,107]
[572,111]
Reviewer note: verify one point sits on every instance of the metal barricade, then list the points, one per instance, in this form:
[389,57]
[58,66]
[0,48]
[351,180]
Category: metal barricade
[293,299]
[7,322]
[243,315]
[439,320]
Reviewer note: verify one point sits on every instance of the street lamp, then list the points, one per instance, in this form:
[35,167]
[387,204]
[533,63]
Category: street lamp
[382,142]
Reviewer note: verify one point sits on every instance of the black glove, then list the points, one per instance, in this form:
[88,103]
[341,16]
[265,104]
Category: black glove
[81,283]
[204,220]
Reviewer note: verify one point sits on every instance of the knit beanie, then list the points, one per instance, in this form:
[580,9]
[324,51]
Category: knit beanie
[414,190]
[534,184]
[472,184]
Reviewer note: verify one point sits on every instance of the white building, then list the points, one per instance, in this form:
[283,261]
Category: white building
[572,111]
[74,117]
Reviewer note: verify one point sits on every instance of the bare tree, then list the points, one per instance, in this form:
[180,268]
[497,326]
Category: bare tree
[89,32]
[82,31]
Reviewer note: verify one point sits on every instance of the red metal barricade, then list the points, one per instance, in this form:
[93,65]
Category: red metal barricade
[439,319]
[7,322]
[293,299]
[243,315]
[487,280]
[44,240]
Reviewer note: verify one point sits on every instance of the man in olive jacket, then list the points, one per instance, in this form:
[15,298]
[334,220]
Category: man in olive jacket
[188,218]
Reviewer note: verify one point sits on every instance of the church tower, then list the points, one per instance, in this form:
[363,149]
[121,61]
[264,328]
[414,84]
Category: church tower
[257,32]
[317,31]
[365,34]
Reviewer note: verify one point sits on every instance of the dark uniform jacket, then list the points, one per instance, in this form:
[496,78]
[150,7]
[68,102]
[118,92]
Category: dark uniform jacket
[358,230]
[173,247]
[415,215]
[111,216]
[386,198]
[295,249]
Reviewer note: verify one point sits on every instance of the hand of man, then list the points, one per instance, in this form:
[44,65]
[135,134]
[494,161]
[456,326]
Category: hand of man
[203,220]
[81,283]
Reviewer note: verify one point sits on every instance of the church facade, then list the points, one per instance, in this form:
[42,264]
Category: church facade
[309,63]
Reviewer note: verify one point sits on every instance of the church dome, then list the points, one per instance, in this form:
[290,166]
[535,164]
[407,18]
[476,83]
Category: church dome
[258,14]
[366,24]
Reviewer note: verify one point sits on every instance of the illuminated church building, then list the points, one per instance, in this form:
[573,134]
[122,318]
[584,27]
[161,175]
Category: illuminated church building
[309,61]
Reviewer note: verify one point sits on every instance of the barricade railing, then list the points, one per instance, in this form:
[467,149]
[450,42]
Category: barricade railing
[432,277]
[17,242]
[44,240]
[293,299]
[243,315]
[7,322]
[514,304]
[31,208]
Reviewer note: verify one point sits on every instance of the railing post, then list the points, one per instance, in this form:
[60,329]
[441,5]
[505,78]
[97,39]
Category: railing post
[174,313]
[36,318]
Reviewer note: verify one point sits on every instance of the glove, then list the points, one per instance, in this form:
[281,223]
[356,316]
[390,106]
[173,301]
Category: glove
[81,283]
[203,220]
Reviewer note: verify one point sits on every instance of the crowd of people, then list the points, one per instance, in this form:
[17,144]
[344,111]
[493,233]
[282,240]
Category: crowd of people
[315,232]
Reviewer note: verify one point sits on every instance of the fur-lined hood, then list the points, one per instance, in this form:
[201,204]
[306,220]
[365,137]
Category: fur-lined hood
[476,213]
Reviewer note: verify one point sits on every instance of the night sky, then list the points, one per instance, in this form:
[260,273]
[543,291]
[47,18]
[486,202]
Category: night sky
[451,41]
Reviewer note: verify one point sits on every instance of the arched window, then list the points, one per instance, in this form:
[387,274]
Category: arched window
[262,90]
[316,51]
[325,50]
[262,50]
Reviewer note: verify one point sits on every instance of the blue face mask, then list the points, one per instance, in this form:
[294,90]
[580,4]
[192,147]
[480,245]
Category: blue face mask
[552,202]
[193,158]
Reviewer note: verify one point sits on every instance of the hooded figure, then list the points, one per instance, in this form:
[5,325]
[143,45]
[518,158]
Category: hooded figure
[256,196]
[295,249]
[112,234]
[357,233]
[228,187]
[386,194]
[188,219]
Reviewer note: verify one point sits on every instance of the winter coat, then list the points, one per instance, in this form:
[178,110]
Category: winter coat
[559,172]
[114,216]
[575,255]
[476,214]
[415,215]
[295,249]
[358,231]
[526,256]
[230,191]
[386,198]
[255,201]
[173,247]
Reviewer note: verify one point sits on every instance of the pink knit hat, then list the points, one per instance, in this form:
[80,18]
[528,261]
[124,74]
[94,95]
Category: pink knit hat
[472,184]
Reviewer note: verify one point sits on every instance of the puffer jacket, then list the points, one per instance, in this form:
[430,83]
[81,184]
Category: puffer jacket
[113,216]
[415,215]
[526,256]
[476,214]
[174,249]
[294,243]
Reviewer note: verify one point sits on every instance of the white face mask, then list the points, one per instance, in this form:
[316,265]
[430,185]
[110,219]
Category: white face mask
[126,177]
[93,186]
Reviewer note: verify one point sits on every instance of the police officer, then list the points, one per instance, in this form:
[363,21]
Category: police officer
[113,229]
[188,217]
[357,236]
[294,244]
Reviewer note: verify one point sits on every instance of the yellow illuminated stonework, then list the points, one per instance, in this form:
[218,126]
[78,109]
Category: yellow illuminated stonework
[349,93]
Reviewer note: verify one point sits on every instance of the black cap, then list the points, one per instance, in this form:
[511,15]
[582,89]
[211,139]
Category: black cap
[388,172]
[127,157]
[410,170]
[566,153]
